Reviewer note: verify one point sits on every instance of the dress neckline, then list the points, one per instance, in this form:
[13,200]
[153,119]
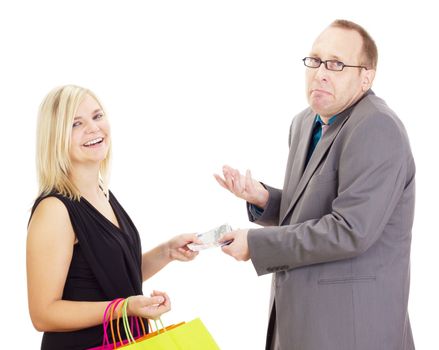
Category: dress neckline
[118,226]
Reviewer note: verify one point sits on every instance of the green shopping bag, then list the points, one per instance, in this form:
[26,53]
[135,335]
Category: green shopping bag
[192,335]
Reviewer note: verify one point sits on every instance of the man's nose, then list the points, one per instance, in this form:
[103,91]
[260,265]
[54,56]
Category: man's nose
[321,72]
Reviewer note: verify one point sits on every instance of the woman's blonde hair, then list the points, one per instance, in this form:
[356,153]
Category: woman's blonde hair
[54,130]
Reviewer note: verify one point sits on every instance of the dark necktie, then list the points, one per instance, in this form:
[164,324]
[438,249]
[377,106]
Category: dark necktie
[316,135]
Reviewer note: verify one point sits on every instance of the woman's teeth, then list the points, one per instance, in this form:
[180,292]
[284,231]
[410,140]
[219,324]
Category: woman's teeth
[93,142]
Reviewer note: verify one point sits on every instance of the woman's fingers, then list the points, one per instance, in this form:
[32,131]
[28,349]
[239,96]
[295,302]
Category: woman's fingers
[150,307]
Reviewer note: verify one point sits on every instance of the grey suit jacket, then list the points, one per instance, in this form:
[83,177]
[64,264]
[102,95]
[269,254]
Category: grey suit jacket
[337,237]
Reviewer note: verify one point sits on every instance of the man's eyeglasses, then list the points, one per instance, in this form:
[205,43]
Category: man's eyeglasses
[314,62]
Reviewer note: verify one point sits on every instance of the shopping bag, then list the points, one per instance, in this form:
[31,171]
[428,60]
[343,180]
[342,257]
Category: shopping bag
[192,335]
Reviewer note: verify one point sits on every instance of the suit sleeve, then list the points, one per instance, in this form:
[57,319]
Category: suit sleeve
[270,215]
[371,179]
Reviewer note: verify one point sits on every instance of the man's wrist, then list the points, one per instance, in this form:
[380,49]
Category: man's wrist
[263,200]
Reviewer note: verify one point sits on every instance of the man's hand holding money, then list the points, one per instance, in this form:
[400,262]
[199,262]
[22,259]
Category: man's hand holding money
[238,248]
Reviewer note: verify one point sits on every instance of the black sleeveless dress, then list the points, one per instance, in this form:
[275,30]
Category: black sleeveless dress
[106,264]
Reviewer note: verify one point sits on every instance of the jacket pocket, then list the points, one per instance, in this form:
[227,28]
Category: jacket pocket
[346,279]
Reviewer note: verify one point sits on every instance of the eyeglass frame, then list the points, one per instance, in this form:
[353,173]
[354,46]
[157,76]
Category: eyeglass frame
[326,64]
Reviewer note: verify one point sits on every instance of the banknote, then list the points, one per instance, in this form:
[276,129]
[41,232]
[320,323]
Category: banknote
[210,238]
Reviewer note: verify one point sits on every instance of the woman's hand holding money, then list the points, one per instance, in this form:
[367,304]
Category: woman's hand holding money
[176,248]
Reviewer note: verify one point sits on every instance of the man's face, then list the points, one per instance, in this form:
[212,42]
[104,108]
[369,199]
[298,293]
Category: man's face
[331,92]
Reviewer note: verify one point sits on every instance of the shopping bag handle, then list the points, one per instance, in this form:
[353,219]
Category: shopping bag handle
[107,318]
[113,307]
[130,337]
[127,329]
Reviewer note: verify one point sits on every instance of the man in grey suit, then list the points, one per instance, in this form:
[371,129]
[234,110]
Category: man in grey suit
[337,236]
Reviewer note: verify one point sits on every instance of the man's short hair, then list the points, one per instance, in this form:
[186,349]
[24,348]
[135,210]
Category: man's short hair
[370,51]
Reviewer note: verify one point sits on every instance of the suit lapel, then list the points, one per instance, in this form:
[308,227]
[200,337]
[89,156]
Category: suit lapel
[298,183]
[296,162]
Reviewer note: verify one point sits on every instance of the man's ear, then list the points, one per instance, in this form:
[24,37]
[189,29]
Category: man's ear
[367,79]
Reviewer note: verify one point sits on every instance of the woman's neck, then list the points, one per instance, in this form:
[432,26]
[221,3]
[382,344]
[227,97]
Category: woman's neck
[86,180]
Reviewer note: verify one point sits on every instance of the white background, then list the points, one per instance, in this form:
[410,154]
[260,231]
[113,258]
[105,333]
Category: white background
[189,86]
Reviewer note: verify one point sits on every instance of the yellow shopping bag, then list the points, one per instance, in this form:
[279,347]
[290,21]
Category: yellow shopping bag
[192,335]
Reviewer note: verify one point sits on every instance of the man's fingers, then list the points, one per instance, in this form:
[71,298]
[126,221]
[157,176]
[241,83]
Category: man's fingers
[227,237]
[238,189]
[242,181]
[229,250]
[227,169]
[220,180]
[229,181]
[249,187]
[234,182]
[225,249]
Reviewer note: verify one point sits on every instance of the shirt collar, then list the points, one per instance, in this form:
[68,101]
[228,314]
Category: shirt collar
[320,121]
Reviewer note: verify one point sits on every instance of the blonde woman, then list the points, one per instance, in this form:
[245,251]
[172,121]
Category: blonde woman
[83,250]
